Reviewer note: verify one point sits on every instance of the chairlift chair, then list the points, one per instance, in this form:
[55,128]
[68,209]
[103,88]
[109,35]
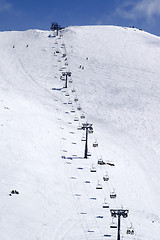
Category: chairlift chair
[79,108]
[67,94]
[83,139]
[95,144]
[76,119]
[130,230]
[88,154]
[76,99]
[101,162]
[113,195]
[73,90]
[99,186]
[105,204]
[72,110]
[113,224]
[82,116]
[79,127]
[106,178]
[70,80]
[93,169]
[90,131]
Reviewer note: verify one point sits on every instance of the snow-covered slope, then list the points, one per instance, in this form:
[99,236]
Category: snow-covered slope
[115,72]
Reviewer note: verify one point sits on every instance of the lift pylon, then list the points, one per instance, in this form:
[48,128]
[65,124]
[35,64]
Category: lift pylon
[66,74]
[86,126]
[120,213]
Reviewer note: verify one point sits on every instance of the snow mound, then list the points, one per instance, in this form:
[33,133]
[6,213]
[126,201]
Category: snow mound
[115,73]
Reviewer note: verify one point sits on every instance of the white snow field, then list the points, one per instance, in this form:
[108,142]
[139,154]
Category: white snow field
[116,77]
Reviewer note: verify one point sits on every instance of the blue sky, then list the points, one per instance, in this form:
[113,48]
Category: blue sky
[22,14]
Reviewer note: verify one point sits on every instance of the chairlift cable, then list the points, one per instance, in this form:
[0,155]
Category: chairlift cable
[84,187]
[89,200]
[73,190]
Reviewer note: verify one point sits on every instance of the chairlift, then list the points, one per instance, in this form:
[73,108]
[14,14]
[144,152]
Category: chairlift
[113,224]
[93,169]
[88,154]
[113,195]
[79,127]
[76,99]
[70,80]
[72,110]
[73,90]
[67,94]
[101,162]
[79,108]
[90,131]
[111,164]
[95,144]
[99,186]
[106,178]
[76,119]
[130,230]
[105,204]
[83,139]
[82,116]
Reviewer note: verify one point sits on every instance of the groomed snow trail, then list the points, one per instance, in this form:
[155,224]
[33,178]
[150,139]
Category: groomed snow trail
[115,74]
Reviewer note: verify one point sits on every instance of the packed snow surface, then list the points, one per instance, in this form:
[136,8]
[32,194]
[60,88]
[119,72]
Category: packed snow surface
[116,78]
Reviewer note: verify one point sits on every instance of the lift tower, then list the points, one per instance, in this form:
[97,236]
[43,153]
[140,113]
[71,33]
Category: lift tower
[66,74]
[119,213]
[86,126]
[56,27]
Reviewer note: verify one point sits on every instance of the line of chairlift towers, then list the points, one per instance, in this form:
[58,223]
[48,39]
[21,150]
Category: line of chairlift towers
[89,130]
